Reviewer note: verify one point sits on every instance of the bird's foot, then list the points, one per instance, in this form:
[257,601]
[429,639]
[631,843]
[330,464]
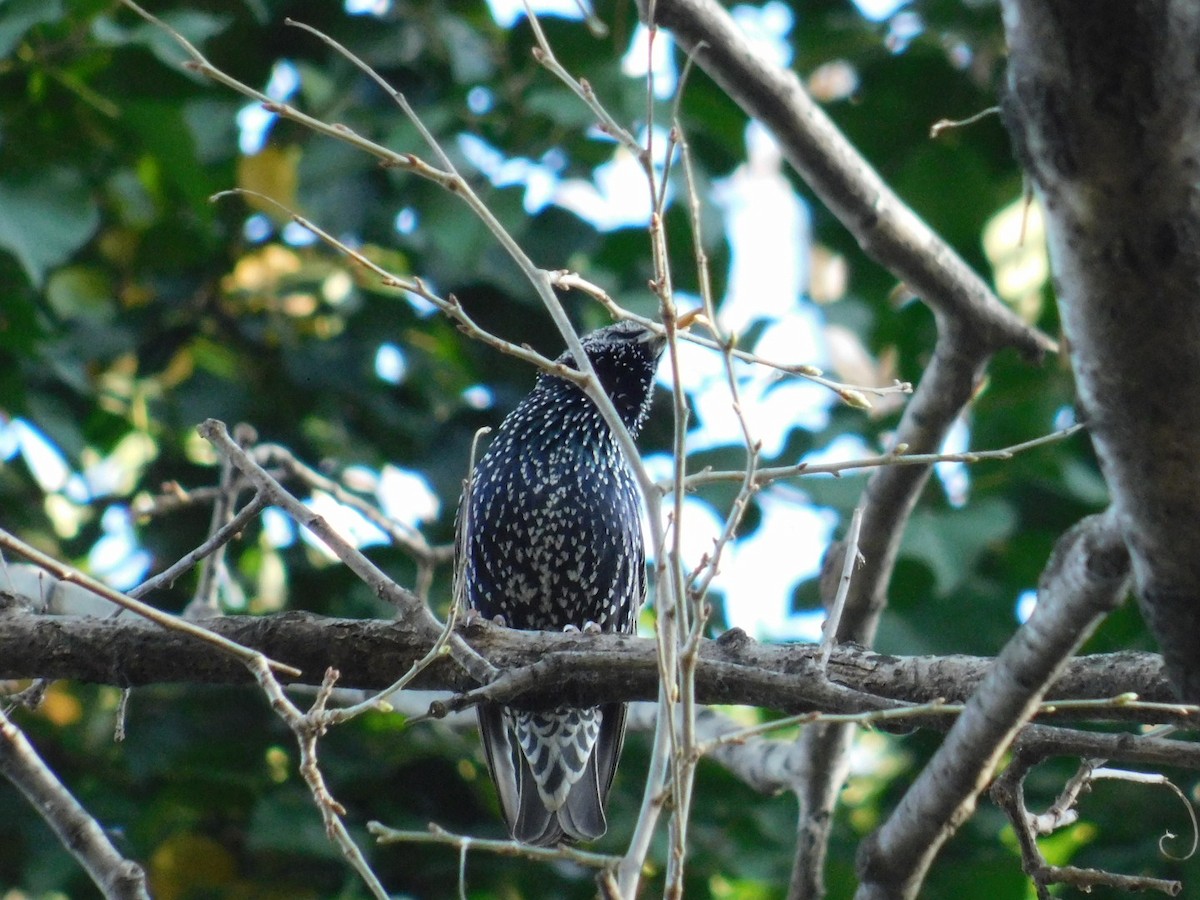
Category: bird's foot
[475,621]
[589,627]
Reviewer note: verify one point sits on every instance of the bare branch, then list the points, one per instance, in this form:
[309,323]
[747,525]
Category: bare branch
[219,538]
[166,620]
[1009,794]
[117,877]
[851,555]
[1085,578]
[438,835]
[1121,209]
[308,729]
[887,230]
[545,668]
[899,457]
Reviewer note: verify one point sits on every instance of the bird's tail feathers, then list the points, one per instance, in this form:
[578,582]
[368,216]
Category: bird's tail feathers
[557,745]
[553,769]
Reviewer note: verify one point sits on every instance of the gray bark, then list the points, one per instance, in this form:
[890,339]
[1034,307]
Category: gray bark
[1103,104]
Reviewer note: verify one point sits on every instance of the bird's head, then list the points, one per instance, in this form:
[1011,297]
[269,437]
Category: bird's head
[625,356]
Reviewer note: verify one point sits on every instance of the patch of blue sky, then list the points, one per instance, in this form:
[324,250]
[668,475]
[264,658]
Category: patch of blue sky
[406,497]
[480,99]
[390,364]
[769,232]
[507,12]
[537,176]
[46,463]
[768,229]
[615,197]
[349,524]
[953,475]
[10,445]
[701,524]
[643,57]
[278,528]
[257,228]
[422,307]
[102,478]
[403,495]
[904,28]
[843,448]
[118,557]
[1065,417]
[771,405]
[254,123]
[479,396]
[767,27]
[617,194]
[296,235]
[879,10]
[406,221]
[770,563]
[1025,605]
[377,8]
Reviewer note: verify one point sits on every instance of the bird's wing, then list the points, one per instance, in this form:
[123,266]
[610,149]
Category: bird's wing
[524,813]
[582,816]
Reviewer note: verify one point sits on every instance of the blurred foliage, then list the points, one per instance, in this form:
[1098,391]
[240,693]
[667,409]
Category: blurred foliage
[134,307]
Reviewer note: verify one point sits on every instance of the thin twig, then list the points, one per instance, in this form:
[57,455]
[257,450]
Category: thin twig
[220,538]
[439,835]
[307,730]
[850,394]
[212,568]
[896,458]
[850,561]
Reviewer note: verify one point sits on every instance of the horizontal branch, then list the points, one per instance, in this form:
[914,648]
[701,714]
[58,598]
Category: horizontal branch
[581,669]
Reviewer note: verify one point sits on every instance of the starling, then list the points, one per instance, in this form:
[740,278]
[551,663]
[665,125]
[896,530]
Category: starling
[551,540]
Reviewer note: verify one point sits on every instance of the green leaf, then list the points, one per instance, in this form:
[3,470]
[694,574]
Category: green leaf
[285,821]
[43,222]
[950,541]
[471,60]
[81,292]
[197,27]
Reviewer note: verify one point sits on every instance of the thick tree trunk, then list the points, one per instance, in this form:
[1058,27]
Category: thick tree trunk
[1103,103]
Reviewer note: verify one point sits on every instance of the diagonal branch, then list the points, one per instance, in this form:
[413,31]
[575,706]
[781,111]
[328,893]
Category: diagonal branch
[82,835]
[888,230]
[1086,577]
[125,601]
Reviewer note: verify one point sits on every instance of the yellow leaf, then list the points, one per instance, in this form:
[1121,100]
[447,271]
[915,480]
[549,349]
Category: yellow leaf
[184,865]
[271,172]
[60,706]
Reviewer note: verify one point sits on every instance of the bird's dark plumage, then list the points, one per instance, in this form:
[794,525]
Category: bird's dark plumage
[551,538]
